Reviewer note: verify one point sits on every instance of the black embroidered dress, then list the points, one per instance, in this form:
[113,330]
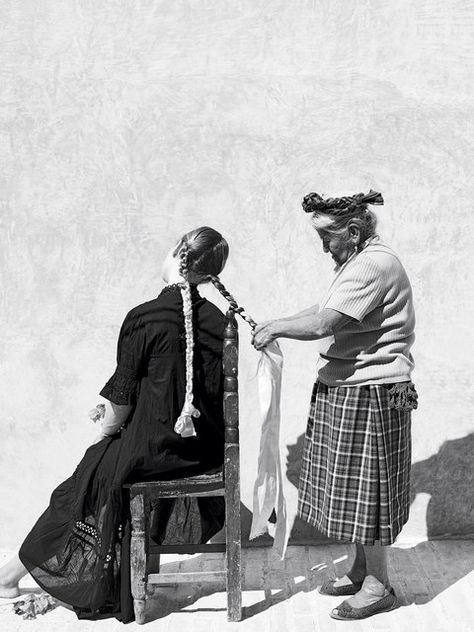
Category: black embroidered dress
[78,550]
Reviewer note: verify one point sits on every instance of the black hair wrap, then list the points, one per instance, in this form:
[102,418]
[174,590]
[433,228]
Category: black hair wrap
[314,202]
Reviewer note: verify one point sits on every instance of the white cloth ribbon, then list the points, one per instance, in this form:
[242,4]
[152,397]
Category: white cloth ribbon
[184,424]
[268,488]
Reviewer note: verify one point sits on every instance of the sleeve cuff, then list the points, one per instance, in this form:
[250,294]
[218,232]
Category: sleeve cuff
[347,310]
[120,389]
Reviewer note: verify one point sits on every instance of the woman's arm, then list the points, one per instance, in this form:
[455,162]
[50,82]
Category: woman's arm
[309,311]
[310,326]
[113,419]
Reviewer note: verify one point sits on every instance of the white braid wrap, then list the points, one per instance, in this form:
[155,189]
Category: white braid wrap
[184,424]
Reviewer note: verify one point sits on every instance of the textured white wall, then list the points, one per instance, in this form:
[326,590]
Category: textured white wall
[125,123]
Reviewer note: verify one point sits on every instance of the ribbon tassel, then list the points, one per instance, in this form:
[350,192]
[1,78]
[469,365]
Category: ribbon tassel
[184,424]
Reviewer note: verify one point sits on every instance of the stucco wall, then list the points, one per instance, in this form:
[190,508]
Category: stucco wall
[124,124]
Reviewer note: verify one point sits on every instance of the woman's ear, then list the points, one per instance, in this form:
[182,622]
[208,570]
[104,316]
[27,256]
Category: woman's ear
[354,233]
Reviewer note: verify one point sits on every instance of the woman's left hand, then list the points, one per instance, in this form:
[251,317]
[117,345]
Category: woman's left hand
[263,334]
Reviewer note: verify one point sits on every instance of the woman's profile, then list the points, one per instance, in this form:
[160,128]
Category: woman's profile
[163,419]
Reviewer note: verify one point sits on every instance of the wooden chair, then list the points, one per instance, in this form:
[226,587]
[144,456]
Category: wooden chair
[226,483]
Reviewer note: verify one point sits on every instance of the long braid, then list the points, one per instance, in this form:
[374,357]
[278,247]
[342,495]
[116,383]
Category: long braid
[233,303]
[313,202]
[184,424]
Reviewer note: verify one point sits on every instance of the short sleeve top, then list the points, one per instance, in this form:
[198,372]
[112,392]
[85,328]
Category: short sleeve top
[375,347]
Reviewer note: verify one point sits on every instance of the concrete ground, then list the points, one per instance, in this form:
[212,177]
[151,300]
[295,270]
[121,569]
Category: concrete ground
[434,582]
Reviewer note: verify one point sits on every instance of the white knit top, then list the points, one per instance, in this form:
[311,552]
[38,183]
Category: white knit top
[373,288]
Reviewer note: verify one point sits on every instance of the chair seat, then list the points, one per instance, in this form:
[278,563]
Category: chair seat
[201,485]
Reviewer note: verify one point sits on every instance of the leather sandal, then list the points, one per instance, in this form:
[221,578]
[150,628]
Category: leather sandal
[345,612]
[328,588]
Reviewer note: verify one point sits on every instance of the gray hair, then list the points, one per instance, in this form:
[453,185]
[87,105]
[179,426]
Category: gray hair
[338,225]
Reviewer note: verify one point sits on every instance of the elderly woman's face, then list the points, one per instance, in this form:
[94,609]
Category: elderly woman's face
[340,248]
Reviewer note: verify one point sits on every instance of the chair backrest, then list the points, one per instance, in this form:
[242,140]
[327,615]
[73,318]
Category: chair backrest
[230,362]
[232,469]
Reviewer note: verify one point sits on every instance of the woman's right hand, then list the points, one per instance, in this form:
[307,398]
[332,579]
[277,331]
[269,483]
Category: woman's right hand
[264,333]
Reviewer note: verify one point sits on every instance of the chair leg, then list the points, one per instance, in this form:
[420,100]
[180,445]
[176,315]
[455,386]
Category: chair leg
[233,538]
[139,610]
[234,582]
[233,561]
[138,556]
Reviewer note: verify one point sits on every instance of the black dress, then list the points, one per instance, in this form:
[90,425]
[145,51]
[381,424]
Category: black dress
[78,550]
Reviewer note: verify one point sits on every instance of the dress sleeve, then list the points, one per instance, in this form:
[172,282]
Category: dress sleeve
[360,290]
[122,387]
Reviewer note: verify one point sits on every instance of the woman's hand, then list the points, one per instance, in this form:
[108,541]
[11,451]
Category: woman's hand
[111,417]
[264,333]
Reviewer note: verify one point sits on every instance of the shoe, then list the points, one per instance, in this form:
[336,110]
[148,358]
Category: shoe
[328,588]
[345,612]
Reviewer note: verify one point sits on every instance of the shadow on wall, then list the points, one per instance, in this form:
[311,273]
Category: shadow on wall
[448,477]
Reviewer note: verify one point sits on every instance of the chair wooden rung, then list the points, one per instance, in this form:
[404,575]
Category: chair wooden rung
[190,549]
[202,485]
[145,556]
[161,579]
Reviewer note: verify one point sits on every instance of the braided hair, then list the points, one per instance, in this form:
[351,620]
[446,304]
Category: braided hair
[313,202]
[334,214]
[202,255]
[233,303]
[184,424]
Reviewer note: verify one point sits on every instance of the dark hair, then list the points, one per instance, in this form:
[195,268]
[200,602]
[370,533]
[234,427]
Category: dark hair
[206,251]
[203,253]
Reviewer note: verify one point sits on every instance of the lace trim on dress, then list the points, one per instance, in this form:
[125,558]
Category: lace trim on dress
[120,389]
[86,531]
[173,287]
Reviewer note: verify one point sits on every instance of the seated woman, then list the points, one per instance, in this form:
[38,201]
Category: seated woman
[162,420]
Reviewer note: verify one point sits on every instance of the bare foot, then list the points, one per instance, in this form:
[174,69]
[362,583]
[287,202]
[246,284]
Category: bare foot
[371,592]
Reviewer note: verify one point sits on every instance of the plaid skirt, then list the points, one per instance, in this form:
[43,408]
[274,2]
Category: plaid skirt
[355,477]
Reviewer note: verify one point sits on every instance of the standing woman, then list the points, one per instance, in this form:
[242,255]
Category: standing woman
[354,481]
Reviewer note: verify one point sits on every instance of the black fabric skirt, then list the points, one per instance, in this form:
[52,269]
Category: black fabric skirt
[78,550]
[355,476]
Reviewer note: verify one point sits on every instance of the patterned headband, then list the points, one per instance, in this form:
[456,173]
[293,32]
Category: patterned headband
[314,202]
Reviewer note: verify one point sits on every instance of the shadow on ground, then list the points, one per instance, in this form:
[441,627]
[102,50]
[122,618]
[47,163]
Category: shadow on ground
[419,573]
[447,476]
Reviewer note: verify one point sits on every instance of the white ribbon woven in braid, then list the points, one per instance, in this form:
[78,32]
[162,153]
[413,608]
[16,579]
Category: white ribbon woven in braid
[184,424]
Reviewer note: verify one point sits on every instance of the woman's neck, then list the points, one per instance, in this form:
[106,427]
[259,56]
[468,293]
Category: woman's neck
[174,279]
